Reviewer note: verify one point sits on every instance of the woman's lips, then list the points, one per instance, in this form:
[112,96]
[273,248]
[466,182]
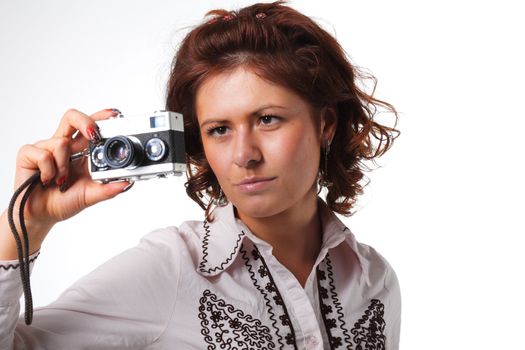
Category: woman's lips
[254,184]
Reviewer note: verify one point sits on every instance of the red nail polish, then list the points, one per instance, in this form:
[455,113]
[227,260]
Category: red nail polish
[94,134]
[61,181]
[91,132]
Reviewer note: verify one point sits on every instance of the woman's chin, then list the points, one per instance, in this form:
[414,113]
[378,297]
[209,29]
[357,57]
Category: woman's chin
[257,207]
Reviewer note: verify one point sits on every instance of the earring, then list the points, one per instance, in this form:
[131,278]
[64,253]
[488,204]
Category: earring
[324,174]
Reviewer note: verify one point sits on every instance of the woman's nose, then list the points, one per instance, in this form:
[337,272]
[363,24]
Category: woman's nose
[247,151]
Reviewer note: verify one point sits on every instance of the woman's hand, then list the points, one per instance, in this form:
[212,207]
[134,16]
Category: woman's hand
[68,188]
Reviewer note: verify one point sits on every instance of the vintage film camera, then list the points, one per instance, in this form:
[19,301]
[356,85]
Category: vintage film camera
[138,148]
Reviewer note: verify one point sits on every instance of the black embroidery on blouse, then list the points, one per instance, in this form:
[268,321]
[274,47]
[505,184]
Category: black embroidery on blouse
[16,266]
[205,243]
[331,308]
[225,327]
[368,331]
[265,284]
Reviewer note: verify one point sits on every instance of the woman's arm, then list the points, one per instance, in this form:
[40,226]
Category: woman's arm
[126,303]
[67,189]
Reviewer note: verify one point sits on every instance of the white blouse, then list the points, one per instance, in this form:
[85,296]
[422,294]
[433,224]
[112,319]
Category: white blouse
[215,285]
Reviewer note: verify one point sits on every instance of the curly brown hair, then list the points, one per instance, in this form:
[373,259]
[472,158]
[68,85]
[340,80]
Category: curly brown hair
[288,48]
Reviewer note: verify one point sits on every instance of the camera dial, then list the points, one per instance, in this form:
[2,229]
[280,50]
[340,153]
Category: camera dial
[97,157]
[122,152]
[155,149]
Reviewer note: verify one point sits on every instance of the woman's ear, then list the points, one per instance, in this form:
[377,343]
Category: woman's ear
[328,123]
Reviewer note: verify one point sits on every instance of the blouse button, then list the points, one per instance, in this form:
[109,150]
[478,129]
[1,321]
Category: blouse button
[312,340]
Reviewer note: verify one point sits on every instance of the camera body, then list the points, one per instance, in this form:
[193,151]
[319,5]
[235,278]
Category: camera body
[138,148]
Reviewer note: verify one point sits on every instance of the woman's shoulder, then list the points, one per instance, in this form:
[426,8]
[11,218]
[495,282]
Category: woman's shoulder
[379,273]
[370,256]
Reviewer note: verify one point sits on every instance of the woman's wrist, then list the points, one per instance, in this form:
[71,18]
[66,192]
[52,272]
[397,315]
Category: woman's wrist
[8,247]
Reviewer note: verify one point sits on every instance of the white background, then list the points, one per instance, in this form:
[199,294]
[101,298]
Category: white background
[445,208]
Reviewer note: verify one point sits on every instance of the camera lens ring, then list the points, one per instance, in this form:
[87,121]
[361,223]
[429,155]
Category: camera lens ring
[120,152]
[155,149]
[97,157]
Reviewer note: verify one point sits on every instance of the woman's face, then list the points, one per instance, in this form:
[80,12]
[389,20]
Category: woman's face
[261,141]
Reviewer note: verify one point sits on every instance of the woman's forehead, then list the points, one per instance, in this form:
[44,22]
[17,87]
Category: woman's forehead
[242,91]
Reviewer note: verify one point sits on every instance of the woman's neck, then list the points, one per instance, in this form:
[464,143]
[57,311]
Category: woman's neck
[294,234]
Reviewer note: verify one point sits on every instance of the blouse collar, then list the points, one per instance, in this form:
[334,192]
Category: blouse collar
[225,234]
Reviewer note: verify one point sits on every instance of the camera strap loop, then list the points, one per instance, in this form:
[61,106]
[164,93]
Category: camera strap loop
[23,250]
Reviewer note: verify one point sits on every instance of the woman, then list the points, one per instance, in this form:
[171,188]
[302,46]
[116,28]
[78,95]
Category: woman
[272,115]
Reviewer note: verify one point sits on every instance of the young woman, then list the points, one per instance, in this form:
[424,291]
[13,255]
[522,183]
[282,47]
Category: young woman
[273,116]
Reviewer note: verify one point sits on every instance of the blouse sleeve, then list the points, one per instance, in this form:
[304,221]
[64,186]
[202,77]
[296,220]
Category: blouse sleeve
[393,310]
[124,304]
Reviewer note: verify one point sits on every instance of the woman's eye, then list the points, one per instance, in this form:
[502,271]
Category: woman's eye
[269,119]
[217,131]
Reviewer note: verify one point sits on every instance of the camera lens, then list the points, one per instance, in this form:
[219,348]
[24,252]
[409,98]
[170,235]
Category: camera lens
[155,149]
[97,157]
[121,152]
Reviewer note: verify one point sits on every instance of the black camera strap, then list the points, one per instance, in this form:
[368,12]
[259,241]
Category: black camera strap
[23,250]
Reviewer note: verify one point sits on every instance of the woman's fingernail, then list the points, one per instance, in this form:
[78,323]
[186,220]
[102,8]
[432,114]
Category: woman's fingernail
[61,181]
[62,184]
[63,188]
[94,134]
[131,183]
[91,133]
[114,111]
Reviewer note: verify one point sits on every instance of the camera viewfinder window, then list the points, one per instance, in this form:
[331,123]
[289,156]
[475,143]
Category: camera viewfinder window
[157,121]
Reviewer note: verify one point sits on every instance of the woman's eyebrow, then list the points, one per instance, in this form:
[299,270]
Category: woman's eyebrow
[268,106]
[213,121]
[255,112]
